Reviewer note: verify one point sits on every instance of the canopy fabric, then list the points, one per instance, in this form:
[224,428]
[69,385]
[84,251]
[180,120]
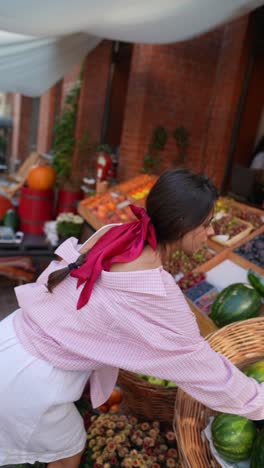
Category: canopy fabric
[30,65]
[50,37]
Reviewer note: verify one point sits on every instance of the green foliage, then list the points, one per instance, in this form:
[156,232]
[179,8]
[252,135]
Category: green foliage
[152,158]
[182,139]
[105,148]
[64,135]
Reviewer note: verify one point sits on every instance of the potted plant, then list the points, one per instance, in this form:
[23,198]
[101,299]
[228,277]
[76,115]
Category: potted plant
[63,150]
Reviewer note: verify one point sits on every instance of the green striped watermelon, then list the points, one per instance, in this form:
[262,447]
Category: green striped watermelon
[256,371]
[257,457]
[236,302]
[233,436]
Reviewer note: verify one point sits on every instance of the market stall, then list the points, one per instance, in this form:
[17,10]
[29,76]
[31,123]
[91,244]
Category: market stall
[205,274]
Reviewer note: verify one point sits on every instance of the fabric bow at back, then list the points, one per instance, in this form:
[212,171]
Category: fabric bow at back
[120,244]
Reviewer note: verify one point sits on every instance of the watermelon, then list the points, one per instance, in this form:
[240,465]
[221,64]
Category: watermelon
[257,457]
[233,436]
[256,371]
[236,302]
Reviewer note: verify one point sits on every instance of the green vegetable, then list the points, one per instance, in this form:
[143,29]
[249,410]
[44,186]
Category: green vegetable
[256,281]
[236,302]
[233,436]
[255,370]
[257,458]
[11,219]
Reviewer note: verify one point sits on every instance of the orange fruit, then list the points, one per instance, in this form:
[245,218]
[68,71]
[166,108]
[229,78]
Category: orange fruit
[115,397]
[114,408]
[104,408]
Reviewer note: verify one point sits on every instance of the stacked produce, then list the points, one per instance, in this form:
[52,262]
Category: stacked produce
[122,441]
[229,226]
[157,381]
[253,250]
[113,402]
[227,205]
[113,206]
[184,263]
[194,278]
[237,438]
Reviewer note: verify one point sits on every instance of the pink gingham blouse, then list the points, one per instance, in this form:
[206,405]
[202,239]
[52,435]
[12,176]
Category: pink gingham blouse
[136,320]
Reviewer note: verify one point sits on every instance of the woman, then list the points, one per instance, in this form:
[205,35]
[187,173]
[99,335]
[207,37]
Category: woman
[130,314]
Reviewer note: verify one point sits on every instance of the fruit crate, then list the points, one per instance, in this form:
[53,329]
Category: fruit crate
[251,214]
[223,239]
[227,268]
[113,205]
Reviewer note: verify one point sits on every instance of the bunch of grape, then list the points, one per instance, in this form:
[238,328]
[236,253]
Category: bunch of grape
[181,262]
[248,216]
[228,225]
[253,250]
[191,279]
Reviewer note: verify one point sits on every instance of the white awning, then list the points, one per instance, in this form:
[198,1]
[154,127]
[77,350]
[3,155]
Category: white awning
[43,40]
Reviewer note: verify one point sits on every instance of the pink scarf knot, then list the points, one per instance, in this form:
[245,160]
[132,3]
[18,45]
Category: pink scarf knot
[120,244]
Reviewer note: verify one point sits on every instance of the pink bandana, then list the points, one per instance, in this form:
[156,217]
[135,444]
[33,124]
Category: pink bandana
[120,244]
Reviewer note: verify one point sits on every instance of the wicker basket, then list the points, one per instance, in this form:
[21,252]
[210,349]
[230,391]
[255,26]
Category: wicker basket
[242,343]
[147,401]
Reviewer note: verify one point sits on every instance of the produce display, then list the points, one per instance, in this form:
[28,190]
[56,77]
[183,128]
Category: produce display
[113,402]
[235,302]
[228,225]
[253,250]
[157,381]
[227,205]
[256,281]
[113,206]
[193,280]
[181,262]
[123,441]
[233,437]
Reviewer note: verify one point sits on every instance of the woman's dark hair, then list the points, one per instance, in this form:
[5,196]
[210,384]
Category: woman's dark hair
[179,202]
[58,276]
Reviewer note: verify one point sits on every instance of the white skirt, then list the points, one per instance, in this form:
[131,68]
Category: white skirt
[38,419]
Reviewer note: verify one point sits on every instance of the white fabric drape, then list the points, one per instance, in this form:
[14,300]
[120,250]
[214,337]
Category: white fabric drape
[31,65]
[58,33]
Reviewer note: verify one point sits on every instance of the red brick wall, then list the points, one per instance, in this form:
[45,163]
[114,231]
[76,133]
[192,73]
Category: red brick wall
[49,108]
[92,104]
[195,84]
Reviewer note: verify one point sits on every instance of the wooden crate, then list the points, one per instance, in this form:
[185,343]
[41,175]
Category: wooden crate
[91,219]
[251,236]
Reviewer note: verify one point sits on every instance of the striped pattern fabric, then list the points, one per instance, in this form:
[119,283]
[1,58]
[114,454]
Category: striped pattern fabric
[138,321]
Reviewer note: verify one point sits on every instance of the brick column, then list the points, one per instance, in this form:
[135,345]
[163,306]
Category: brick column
[91,106]
[49,109]
[223,105]
[136,127]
